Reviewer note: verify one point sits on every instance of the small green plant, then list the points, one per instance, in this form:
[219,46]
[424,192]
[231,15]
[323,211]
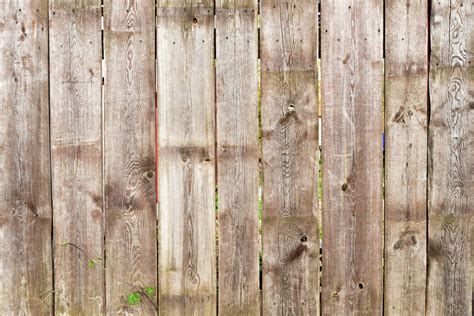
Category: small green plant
[139,295]
[134,298]
[91,263]
[150,291]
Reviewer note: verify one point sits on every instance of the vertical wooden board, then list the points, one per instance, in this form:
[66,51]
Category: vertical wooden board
[76,140]
[25,196]
[237,156]
[352,85]
[450,182]
[290,157]
[406,101]
[186,100]
[129,159]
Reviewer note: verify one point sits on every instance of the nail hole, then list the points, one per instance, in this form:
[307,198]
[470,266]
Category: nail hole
[361,285]
[304,239]
[344,187]
[195,20]
[149,174]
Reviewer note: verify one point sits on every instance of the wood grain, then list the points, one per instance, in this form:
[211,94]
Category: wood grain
[352,85]
[237,156]
[289,40]
[451,182]
[406,102]
[129,158]
[186,100]
[76,140]
[25,194]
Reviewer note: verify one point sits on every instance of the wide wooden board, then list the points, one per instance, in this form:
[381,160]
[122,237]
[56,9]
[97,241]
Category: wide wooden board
[451,170]
[186,140]
[76,149]
[129,156]
[406,125]
[352,87]
[237,156]
[26,286]
[289,48]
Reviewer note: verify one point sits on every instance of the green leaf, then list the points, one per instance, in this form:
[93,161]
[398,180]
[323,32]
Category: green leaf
[133,298]
[91,263]
[150,291]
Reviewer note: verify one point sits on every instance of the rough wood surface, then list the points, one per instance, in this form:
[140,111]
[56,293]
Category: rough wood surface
[451,171]
[76,140]
[186,100]
[406,102]
[129,157]
[25,195]
[352,85]
[289,40]
[237,156]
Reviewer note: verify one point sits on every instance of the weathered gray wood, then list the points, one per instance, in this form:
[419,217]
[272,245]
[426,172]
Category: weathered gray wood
[187,268]
[76,140]
[129,158]
[352,85]
[25,195]
[289,40]
[451,170]
[237,156]
[406,102]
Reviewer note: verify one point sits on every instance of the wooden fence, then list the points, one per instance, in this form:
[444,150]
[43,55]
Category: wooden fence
[217,107]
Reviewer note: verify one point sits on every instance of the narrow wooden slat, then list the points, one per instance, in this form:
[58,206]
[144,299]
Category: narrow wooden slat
[237,156]
[76,140]
[25,194]
[185,78]
[406,100]
[451,171]
[129,158]
[289,40]
[352,85]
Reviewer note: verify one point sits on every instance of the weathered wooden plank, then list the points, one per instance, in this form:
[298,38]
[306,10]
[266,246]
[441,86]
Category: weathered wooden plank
[76,155]
[451,181]
[289,41]
[237,156]
[352,85]
[406,102]
[129,160]
[186,100]
[25,195]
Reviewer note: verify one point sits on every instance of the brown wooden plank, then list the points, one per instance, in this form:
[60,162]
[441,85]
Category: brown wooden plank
[25,194]
[186,100]
[352,85]
[76,140]
[129,161]
[451,180]
[289,41]
[406,101]
[237,156]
